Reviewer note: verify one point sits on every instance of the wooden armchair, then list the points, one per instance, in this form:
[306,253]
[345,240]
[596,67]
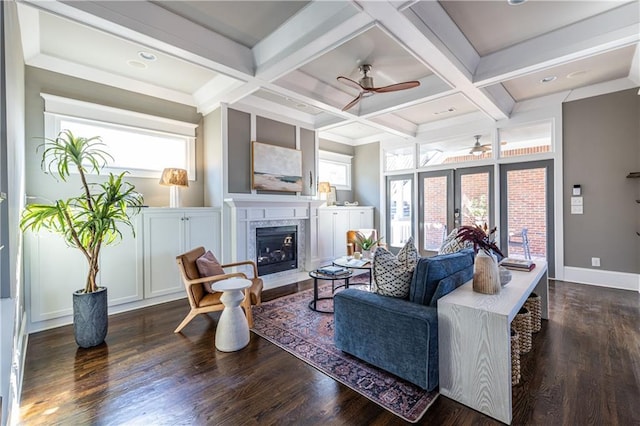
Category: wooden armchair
[203,302]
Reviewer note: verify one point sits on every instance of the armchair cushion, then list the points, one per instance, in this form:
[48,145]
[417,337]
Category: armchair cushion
[392,274]
[208,266]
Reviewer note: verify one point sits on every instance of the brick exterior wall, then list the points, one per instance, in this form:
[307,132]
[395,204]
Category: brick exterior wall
[526,199]
[435,211]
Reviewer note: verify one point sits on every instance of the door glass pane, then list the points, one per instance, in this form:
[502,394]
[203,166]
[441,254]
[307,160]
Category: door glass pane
[527,213]
[474,198]
[399,212]
[434,215]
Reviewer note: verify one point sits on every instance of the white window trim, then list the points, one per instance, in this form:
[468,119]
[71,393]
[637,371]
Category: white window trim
[341,159]
[57,108]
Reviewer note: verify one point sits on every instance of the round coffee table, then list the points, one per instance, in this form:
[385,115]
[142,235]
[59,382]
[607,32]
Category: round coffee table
[344,262]
[232,333]
[319,276]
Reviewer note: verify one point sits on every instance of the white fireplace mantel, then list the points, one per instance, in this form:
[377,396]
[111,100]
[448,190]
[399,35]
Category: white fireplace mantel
[241,217]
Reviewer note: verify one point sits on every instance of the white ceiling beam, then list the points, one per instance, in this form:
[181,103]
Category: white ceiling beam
[427,46]
[316,29]
[148,24]
[402,127]
[607,31]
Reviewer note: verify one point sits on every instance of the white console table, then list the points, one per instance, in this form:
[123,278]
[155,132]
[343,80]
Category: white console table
[474,341]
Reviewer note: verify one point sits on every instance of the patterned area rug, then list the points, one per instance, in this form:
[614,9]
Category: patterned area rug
[289,323]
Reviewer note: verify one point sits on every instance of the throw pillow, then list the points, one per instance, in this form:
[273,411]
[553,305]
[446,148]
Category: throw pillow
[452,243]
[208,266]
[392,274]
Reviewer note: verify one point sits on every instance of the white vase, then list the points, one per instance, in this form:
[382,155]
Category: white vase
[486,275]
[366,254]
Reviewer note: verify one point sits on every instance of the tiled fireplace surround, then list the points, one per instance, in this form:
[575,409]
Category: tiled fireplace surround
[242,217]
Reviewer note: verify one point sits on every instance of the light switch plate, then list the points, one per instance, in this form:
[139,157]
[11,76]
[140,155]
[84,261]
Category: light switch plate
[576,210]
[576,201]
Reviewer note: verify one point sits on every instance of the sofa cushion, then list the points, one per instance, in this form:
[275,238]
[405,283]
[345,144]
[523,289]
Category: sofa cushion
[392,274]
[208,266]
[450,283]
[430,270]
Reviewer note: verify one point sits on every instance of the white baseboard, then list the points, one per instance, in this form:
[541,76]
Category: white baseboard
[611,279]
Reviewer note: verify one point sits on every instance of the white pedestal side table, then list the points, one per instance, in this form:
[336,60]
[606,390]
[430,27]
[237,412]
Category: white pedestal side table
[232,333]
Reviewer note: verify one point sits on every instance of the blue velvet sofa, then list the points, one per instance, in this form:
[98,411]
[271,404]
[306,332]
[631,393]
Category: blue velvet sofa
[401,335]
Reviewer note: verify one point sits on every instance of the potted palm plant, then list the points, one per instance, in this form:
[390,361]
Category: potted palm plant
[87,222]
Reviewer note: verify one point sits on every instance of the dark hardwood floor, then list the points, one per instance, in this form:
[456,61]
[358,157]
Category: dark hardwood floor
[584,369]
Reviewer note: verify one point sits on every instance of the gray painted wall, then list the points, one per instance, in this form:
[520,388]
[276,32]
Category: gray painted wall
[601,145]
[239,152]
[269,132]
[366,172]
[41,185]
[308,148]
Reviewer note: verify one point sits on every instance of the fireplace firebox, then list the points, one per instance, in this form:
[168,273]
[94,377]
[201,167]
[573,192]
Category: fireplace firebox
[276,249]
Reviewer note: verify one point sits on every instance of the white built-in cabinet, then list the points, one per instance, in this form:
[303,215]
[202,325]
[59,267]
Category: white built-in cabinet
[333,224]
[138,271]
[169,232]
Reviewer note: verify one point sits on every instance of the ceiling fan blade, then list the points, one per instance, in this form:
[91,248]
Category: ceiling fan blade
[353,102]
[350,82]
[397,86]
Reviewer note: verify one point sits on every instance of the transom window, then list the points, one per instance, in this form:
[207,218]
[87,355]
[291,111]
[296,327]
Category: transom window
[143,150]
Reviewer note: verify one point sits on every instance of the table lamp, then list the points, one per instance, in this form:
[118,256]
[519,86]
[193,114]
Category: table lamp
[323,189]
[175,178]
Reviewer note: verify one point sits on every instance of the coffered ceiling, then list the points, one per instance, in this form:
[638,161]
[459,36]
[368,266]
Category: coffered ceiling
[472,58]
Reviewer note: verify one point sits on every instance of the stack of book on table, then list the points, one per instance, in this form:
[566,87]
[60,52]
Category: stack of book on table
[333,270]
[518,264]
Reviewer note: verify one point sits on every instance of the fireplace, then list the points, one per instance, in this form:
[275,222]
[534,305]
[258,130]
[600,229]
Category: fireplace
[276,249]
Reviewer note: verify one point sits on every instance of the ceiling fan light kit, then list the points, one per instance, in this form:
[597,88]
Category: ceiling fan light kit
[367,88]
[478,149]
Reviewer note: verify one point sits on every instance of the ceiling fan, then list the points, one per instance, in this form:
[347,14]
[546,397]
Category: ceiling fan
[478,149]
[366,87]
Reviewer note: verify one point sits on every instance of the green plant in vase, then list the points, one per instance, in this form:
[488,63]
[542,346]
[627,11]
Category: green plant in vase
[86,222]
[365,243]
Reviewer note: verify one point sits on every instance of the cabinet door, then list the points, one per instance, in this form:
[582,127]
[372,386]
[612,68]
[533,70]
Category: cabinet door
[202,229]
[54,271]
[121,266]
[163,241]
[340,227]
[360,219]
[325,234]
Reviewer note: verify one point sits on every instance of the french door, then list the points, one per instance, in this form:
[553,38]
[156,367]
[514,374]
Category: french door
[526,205]
[451,198]
[399,210]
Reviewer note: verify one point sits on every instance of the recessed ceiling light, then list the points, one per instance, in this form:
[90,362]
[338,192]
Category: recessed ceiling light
[548,79]
[301,105]
[515,2]
[576,74]
[147,56]
[137,64]
[446,111]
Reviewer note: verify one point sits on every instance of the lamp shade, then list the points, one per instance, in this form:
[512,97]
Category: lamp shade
[174,177]
[324,187]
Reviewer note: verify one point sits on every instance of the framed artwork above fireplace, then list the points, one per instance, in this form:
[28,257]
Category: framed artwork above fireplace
[275,168]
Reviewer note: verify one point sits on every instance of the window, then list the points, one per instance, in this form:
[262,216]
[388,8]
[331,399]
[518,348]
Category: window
[335,168]
[399,158]
[141,144]
[526,140]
